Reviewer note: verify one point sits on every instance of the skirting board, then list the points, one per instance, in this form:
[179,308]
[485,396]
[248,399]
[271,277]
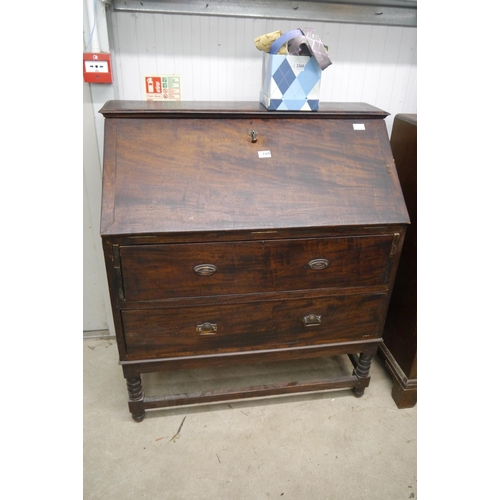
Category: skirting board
[97,334]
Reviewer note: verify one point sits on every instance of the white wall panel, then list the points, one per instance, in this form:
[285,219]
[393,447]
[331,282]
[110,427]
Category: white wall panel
[218,61]
[94,306]
[97,313]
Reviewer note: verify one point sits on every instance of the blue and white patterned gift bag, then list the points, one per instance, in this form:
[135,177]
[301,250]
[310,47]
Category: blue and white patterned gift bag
[290,83]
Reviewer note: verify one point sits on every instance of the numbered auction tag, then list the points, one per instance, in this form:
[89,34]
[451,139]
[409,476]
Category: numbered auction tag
[358,126]
[298,67]
[264,154]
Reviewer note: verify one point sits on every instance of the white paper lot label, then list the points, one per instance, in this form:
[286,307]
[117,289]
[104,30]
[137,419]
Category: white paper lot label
[298,67]
[358,126]
[264,154]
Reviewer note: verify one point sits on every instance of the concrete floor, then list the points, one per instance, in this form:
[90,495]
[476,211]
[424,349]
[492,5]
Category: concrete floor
[322,446]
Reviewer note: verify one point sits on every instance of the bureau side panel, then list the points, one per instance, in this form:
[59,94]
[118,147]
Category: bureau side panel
[113,274]
[108,176]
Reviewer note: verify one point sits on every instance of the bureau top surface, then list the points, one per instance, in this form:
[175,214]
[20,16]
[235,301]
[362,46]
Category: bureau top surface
[189,167]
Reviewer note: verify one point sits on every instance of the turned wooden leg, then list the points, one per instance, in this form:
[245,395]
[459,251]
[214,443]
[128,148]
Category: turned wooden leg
[362,370]
[136,398]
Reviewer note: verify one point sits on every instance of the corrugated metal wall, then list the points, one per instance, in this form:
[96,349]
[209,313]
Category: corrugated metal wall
[218,61]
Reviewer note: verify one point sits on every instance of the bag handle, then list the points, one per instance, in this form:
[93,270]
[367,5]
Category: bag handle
[275,46]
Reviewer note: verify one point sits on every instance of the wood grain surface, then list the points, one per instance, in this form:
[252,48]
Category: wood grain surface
[204,174]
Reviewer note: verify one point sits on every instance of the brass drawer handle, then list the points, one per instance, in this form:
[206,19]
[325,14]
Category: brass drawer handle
[205,269]
[311,320]
[207,328]
[318,264]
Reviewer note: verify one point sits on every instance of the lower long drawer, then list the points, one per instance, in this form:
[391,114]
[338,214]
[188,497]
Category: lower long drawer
[198,330]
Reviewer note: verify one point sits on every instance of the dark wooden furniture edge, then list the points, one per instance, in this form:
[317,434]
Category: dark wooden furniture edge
[404,390]
[358,381]
[257,233]
[399,348]
[237,109]
[136,367]
[410,118]
[155,402]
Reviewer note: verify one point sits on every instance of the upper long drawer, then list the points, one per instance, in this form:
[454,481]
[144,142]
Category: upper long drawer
[155,272]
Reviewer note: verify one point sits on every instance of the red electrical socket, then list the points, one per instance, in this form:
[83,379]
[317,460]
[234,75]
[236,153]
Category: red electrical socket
[97,68]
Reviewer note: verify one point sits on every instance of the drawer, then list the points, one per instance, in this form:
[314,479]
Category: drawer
[155,272]
[187,331]
[152,272]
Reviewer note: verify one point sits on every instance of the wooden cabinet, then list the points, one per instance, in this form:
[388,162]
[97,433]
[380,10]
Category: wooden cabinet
[236,235]
[400,336]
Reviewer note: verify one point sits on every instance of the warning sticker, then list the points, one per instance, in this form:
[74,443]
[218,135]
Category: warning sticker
[162,88]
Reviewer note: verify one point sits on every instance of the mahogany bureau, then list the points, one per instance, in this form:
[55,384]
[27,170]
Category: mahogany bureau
[234,235]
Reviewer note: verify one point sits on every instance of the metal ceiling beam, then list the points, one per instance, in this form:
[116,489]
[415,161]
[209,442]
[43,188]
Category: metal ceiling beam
[377,12]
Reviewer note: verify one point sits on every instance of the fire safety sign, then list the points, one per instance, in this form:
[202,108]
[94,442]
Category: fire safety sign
[162,88]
